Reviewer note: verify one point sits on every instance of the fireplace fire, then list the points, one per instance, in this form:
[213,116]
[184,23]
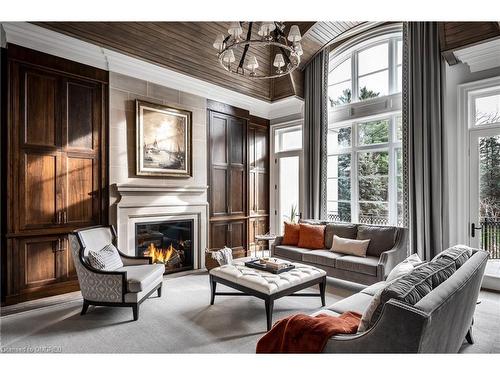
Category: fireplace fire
[169,243]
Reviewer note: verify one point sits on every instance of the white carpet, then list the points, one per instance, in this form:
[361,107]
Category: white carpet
[182,321]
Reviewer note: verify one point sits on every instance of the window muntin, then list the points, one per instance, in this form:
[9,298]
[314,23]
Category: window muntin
[378,71]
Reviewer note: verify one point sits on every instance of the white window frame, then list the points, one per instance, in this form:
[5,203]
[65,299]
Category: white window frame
[361,111]
[391,147]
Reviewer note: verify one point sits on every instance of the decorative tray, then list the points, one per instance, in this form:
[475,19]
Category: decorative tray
[255,264]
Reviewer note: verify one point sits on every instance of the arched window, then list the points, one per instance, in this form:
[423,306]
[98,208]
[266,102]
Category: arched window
[364,134]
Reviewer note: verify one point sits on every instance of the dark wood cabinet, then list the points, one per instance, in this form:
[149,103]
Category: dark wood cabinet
[57,179]
[238,166]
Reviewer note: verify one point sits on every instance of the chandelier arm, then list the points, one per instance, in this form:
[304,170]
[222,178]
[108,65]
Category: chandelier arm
[247,46]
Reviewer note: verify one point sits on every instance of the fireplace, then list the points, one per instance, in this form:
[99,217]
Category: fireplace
[167,242]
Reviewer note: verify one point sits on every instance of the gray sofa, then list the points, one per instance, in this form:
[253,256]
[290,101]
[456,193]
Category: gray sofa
[437,323]
[387,248]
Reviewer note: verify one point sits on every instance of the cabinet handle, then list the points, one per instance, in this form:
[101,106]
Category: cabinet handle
[58,217]
[58,245]
[61,246]
[65,217]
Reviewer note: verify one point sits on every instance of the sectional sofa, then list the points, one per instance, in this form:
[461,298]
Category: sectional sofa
[387,248]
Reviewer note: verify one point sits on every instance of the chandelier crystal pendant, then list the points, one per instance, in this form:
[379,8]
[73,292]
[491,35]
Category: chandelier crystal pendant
[238,51]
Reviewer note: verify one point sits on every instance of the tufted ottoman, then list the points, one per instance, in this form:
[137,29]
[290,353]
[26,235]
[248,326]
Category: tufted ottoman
[266,285]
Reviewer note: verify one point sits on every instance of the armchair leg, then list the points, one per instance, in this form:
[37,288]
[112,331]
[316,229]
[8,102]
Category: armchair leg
[84,307]
[135,310]
[159,291]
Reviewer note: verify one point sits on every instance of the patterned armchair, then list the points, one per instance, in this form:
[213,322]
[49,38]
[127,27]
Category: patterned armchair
[127,286]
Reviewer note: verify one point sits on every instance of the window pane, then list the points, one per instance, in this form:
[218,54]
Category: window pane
[340,93]
[373,132]
[339,138]
[399,162]
[374,85]
[288,139]
[374,189]
[399,128]
[288,186]
[373,163]
[487,110]
[339,211]
[339,165]
[339,189]
[489,177]
[374,213]
[341,73]
[399,52]
[399,78]
[373,59]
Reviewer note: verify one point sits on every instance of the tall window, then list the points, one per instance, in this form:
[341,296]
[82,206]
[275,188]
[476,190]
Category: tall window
[364,133]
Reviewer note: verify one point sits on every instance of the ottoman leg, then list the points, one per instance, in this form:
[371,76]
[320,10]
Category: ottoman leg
[213,287]
[322,289]
[269,312]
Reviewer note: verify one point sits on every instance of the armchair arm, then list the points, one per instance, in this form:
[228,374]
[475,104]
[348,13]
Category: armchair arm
[389,259]
[134,260]
[277,241]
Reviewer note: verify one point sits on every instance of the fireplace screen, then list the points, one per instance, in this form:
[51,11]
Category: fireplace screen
[167,242]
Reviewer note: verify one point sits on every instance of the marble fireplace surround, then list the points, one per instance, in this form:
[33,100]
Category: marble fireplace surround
[147,203]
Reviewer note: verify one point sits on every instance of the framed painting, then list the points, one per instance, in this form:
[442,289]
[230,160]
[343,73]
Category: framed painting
[163,140]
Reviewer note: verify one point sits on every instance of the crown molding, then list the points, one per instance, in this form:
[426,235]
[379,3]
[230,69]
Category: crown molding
[61,45]
[481,56]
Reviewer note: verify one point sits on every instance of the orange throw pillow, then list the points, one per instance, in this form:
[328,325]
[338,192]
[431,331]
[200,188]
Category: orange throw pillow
[291,236]
[312,236]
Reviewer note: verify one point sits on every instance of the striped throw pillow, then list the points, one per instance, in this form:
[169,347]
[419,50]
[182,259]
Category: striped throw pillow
[106,259]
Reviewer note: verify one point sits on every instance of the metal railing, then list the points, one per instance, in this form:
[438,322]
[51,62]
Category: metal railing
[490,236]
[362,219]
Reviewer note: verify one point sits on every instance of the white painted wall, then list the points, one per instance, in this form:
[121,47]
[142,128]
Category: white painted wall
[455,169]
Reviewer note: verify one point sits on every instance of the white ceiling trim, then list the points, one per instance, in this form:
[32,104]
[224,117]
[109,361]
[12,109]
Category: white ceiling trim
[54,43]
[481,56]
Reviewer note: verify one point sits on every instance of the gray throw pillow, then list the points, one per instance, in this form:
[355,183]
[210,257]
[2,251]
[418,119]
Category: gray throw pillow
[382,238]
[412,287]
[343,230]
[106,259]
[459,254]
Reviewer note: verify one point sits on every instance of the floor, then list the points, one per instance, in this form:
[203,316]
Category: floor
[182,321]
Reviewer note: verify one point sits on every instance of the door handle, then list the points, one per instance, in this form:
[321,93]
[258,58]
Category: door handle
[473,229]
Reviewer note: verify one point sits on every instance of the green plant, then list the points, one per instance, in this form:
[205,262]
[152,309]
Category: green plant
[293,214]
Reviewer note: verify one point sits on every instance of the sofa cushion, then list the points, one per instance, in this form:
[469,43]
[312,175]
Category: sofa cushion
[405,267]
[139,277]
[349,246]
[412,287]
[357,302]
[312,236]
[290,252]
[106,259]
[339,229]
[367,265]
[291,234]
[459,254]
[382,238]
[323,257]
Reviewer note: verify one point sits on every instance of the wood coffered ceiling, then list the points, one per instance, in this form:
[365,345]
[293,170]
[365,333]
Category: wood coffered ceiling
[186,47]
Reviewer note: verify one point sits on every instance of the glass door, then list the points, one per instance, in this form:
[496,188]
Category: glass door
[485,190]
[287,172]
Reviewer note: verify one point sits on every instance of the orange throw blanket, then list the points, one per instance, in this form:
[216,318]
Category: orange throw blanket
[306,334]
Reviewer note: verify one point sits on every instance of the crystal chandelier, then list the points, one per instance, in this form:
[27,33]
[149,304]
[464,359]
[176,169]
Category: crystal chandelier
[238,53]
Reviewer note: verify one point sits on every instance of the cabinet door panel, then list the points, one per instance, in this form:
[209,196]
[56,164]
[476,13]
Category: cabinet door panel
[81,191]
[252,192]
[39,262]
[82,111]
[218,235]
[251,148]
[261,154]
[38,107]
[218,190]
[218,138]
[237,236]
[237,142]
[38,190]
[262,204]
[238,190]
